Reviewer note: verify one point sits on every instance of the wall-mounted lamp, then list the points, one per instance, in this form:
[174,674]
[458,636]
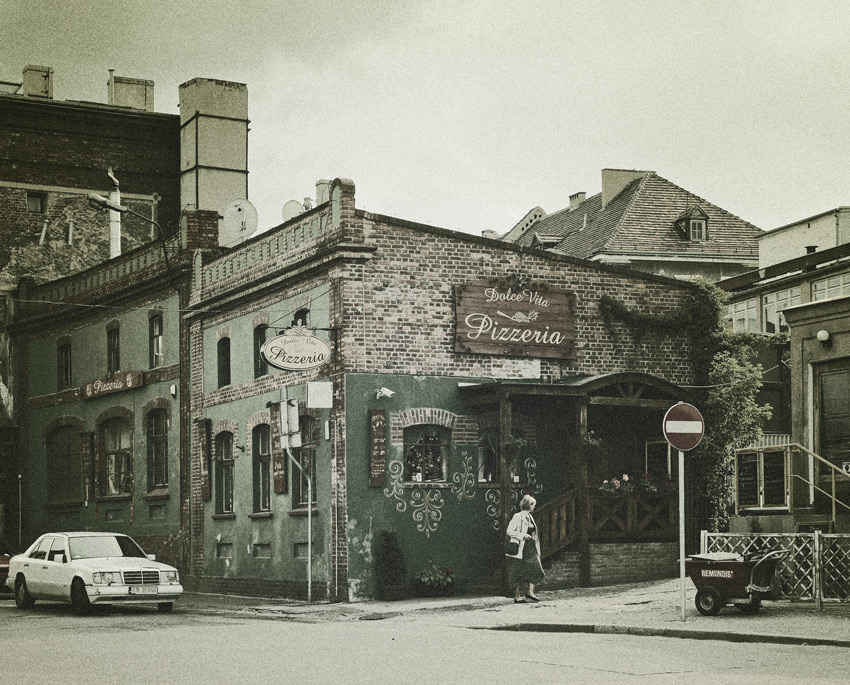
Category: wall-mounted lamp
[383,392]
[823,337]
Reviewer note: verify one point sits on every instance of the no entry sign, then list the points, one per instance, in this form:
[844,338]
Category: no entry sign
[683,426]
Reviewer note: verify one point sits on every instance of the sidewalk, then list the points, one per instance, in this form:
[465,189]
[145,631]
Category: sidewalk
[636,609]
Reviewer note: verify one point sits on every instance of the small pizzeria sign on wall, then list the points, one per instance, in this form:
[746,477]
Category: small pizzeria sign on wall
[497,316]
[295,350]
[123,380]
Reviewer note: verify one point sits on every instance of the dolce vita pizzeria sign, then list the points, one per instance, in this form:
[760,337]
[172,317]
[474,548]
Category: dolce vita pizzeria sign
[497,316]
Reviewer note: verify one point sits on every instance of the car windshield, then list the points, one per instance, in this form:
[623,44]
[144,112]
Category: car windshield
[93,547]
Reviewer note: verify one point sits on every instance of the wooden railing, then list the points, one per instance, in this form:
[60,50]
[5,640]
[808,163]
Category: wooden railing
[633,517]
[558,521]
[638,517]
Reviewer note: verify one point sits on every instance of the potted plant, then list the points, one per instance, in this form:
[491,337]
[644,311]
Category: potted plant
[434,582]
[391,569]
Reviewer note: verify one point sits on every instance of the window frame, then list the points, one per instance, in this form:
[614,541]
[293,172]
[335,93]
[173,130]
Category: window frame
[156,341]
[261,463]
[41,198]
[261,367]
[64,365]
[157,444]
[772,303]
[413,440]
[113,350]
[115,455]
[224,472]
[697,229]
[306,454]
[223,357]
[822,290]
[746,307]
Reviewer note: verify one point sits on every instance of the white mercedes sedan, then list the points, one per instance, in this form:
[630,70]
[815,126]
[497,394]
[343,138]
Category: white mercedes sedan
[91,568]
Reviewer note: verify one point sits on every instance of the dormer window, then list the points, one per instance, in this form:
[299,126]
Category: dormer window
[692,225]
[697,229]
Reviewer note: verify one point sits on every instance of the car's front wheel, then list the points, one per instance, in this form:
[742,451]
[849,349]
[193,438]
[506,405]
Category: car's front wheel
[79,597]
[23,598]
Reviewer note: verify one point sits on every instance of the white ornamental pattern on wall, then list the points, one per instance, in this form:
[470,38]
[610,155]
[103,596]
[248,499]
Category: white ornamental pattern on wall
[426,505]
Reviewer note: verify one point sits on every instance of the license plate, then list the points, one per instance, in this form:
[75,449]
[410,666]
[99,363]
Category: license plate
[143,590]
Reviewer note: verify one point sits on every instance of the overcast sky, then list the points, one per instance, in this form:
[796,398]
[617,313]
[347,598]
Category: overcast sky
[466,114]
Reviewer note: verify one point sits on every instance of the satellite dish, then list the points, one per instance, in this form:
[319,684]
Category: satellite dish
[292,209]
[240,221]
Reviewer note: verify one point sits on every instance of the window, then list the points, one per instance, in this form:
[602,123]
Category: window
[301,318]
[223,473]
[774,321]
[306,458]
[155,340]
[834,286]
[697,229]
[426,450]
[63,365]
[118,452]
[488,456]
[36,202]
[64,454]
[262,468]
[260,366]
[744,316]
[223,362]
[113,350]
[157,449]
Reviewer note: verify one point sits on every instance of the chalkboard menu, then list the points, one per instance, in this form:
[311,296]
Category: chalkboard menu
[773,474]
[748,482]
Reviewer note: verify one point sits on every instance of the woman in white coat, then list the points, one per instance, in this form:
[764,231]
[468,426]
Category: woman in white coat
[525,567]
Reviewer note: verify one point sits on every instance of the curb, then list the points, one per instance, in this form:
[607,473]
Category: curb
[681,633]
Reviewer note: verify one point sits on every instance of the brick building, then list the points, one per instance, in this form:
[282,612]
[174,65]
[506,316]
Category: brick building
[459,373]
[53,154]
[91,301]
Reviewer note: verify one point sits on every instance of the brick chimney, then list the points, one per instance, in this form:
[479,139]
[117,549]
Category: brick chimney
[576,199]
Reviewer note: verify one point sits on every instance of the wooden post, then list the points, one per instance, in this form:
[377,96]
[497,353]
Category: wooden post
[585,504]
[505,485]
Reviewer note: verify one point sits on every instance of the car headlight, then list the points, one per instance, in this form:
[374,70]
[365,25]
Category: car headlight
[106,577]
[169,576]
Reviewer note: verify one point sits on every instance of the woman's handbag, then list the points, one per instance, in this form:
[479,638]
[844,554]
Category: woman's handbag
[512,547]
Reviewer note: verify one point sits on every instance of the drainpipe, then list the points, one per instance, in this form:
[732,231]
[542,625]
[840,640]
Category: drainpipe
[114,218]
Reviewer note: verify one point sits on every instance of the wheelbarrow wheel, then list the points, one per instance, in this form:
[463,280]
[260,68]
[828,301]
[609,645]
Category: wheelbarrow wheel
[708,601]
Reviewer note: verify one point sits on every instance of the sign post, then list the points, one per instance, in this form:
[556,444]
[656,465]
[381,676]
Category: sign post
[683,429]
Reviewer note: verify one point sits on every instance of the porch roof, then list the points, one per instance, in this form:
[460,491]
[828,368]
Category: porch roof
[619,389]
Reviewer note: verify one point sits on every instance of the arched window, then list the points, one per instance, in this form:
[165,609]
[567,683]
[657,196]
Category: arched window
[64,455]
[261,458]
[223,473]
[426,453]
[260,366]
[306,458]
[301,318]
[118,457]
[223,362]
[157,449]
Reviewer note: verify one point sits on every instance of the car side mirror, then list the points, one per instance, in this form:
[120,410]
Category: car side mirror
[151,557]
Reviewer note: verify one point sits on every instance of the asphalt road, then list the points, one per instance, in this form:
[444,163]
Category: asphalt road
[204,640]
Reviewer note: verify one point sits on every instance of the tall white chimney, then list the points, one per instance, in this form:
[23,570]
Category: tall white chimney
[114,218]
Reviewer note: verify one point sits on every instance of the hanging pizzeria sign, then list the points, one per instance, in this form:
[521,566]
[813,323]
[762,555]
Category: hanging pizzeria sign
[495,316]
[295,350]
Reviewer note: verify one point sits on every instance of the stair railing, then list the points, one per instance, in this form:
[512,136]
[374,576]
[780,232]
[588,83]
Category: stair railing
[558,523]
[833,471]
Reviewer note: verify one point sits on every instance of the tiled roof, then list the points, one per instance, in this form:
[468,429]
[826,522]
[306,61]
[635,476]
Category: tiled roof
[640,219]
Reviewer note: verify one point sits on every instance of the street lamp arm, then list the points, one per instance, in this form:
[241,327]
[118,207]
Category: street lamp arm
[100,202]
